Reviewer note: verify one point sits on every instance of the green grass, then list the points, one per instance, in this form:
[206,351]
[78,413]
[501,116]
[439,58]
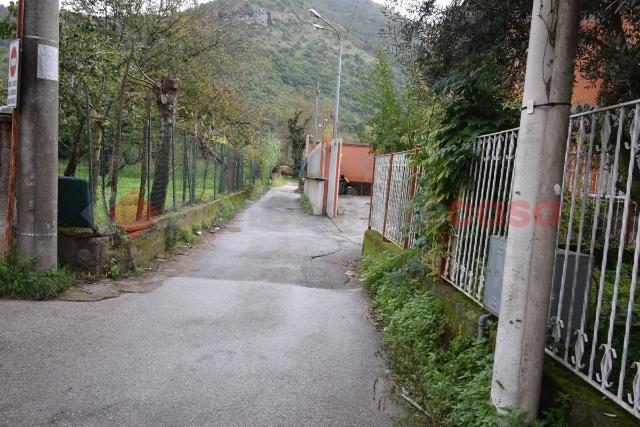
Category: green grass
[18,281]
[306,204]
[129,186]
[449,378]
[279,182]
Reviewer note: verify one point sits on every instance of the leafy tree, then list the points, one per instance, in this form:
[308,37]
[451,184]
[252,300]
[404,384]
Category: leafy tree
[399,117]
[472,35]
[297,139]
[8,22]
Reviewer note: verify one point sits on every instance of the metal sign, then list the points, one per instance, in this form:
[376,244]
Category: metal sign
[14,72]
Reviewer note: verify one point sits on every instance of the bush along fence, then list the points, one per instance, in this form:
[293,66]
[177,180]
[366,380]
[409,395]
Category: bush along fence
[594,321]
[128,185]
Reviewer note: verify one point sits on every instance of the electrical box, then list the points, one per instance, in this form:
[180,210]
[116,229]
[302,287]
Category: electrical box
[495,275]
[75,208]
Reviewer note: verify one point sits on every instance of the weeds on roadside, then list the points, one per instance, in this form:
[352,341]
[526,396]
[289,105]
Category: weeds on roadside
[306,204]
[18,281]
[449,378]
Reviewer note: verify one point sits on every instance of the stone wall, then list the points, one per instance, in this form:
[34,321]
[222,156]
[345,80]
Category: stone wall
[83,251]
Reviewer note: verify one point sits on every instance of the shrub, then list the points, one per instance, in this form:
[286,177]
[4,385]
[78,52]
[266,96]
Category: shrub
[18,281]
[450,378]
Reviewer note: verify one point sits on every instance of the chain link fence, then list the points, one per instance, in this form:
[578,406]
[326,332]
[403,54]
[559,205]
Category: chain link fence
[151,170]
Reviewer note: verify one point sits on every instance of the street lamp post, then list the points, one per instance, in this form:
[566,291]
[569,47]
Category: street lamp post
[336,112]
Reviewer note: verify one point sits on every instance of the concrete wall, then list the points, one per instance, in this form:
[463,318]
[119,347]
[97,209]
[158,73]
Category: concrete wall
[589,408]
[314,190]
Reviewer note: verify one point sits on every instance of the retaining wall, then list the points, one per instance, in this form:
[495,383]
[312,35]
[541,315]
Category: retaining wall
[84,251]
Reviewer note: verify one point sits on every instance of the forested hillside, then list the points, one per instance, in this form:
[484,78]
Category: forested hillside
[296,57]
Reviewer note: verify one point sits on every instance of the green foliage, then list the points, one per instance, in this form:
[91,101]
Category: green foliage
[450,378]
[468,35]
[18,281]
[112,270]
[8,21]
[278,182]
[297,139]
[468,107]
[399,117]
[306,205]
[228,209]
[173,234]
[269,154]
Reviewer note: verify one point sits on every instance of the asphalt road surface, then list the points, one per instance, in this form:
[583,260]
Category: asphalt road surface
[263,324]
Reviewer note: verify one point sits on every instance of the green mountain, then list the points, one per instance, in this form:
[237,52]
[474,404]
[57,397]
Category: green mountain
[293,57]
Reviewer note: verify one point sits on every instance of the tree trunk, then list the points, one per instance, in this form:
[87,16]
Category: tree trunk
[97,134]
[144,170]
[114,168]
[72,165]
[167,99]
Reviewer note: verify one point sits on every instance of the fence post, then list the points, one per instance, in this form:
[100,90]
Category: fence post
[373,183]
[185,170]
[148,142]
[386,203]
[194,171]
[173,167]
[412,193]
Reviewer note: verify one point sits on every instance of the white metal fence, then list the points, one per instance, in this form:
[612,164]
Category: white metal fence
[481,212]
[394,187]
[595,318]
[594,327]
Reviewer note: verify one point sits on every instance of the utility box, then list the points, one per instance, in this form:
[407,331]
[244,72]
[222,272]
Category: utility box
[495,275]
[75,208]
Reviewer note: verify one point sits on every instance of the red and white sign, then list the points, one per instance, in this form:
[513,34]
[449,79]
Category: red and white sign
[14,68]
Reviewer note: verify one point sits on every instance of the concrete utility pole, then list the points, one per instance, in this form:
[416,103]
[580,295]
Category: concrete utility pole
[531,248]
[36,231]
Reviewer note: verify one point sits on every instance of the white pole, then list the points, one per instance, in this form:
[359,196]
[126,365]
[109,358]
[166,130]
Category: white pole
[531,246]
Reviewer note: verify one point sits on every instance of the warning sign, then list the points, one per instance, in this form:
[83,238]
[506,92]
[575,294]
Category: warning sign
[14,68]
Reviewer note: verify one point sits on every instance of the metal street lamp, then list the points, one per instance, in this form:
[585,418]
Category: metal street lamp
[336,112]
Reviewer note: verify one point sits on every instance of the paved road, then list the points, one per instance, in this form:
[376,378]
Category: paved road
[258,326]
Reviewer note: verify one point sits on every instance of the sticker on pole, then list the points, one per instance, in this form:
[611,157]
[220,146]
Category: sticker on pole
[47,62]
[14,64]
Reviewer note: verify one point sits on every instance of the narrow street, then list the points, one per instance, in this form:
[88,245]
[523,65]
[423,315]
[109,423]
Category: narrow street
[263,324]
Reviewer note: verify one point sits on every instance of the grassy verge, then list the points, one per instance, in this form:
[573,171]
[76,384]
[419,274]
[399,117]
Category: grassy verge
[306,204]
[17,281]
[449,377]
[279,182]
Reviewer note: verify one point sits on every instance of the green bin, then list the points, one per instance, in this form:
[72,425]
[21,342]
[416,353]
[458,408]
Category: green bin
[74,203]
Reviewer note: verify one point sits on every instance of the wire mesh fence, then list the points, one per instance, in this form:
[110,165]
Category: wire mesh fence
[150,171]
[394,186]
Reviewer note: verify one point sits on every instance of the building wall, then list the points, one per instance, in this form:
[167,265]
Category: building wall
[357,163]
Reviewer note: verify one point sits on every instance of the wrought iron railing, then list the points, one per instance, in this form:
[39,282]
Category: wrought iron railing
[481,212]
[594,326]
